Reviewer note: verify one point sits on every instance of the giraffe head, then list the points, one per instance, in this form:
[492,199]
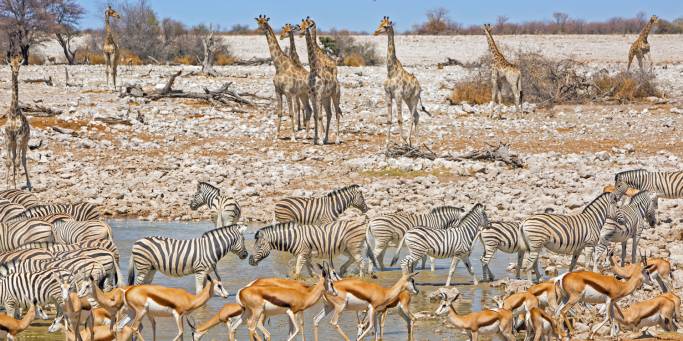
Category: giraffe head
[110,12]
[15,63]
[287,28]
[262,21]
[306,24]
[487,28]
[384,26]
[654,19]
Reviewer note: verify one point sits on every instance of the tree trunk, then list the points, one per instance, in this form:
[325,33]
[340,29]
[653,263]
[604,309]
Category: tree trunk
[209,50]
[25,52]
[63,41]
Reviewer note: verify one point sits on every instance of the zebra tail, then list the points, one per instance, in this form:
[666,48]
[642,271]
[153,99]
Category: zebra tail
[476,237]
[398,250]
[131,271]
[117,274]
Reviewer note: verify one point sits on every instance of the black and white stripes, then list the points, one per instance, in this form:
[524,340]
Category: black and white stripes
[503,236]
[664,184]
[320,210]
[176,258]
[227,209]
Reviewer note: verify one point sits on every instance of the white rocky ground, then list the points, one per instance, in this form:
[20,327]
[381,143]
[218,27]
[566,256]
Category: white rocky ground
[150,169]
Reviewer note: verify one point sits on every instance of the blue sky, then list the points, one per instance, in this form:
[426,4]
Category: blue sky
[363,15]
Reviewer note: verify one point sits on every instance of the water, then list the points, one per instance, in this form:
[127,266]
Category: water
[236,273]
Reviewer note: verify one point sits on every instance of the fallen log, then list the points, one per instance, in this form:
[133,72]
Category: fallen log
[501,152]
[39,110]
[48,81]
[252,61]
[413,152]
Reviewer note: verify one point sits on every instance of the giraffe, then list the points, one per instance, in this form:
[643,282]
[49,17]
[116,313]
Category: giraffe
[289,80]
[330,65]
[502,69]
[400,86]
[110,47]
[321,83]
[641,48]
[300,105]
[17,130]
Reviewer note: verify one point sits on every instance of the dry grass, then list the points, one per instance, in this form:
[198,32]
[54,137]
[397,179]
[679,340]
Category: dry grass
[399,173]
[355,59]
[185,60]
[85,56]
[626,87]
[130,58]
[35,59]
[223,58]
[472,91]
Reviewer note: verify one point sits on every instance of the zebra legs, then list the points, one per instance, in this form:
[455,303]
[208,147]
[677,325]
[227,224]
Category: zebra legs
[199,282]
[575,257]
[520,259]
[451,270]
[468,264]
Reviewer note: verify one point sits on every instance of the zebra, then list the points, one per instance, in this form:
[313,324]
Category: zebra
[304,241]
[74,231]
[20,289]
[51,247]
[666,184]
[23,254]
[389,229]
[565,234]
[102,256]
[454,242]
[16,234]
[9,210]
[176,258]
[319,210]
[627,222]
[227,209]
[17,196]
[80,212]
[503,236]
[82,268]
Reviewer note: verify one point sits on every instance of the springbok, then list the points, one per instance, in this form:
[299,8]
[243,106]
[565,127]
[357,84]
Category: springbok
[155,301]
[542,326]
[403,302]
[496,322]
[659,268]
[594,288]
[103,333]
[11,327]
[226,315]
[359,295]
[659,311]
[111,301]
[258,302]
[545,292]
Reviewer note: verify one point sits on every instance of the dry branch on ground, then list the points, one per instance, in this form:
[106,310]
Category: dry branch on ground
[413,152]
[500,152]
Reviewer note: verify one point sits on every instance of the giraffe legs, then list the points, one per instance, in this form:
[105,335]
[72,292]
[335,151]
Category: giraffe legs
[337,111]
[494,87]
[649,60]
[412,108]
[327,102]
[11,145]
[107,61]
[278,110]
[290,106]
[114,65]
[390,112]
[399,116]
[24,147]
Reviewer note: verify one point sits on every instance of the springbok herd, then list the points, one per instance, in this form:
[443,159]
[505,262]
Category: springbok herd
[64,255]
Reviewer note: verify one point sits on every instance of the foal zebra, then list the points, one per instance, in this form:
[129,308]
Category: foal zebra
[80,212]
[565,234]
[389,229]
[503,236]
[177,258]
[304,241]
[16,234]
[666,184]
[227,209]
[320,210]
[453,242]
[626,222]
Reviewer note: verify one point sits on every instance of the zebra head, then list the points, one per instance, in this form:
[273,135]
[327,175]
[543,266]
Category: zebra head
[357,200]
[626,179]
[262,248]
[239,247]
[201,197]
[7,268]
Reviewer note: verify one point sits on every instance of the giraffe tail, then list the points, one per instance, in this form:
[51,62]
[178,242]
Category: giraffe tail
[422,107]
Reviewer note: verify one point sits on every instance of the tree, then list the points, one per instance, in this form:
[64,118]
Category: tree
[139,30]
[66,14]
[25,22]
[437,22]
[560,20]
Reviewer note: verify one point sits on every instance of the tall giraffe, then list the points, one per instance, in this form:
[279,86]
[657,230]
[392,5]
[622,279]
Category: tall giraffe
[110,47]
[321,83]
[331,66]
[17,130]
[400,86]
[289,80]
[502,69]
[301,106]
[641,48]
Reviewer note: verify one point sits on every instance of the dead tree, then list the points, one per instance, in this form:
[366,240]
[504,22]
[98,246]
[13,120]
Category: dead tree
[209,44]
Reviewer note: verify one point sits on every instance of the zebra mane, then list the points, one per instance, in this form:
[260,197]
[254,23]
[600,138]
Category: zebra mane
[202,184]
[476,208]
[221,229]
[590,205]
[628,172]
[343,189]
[445,208]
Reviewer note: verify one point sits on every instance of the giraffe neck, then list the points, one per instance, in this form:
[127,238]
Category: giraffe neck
[275,51]
[292,48]
[310,47]
[645,31]
[392,61]
[107,27]
[498,57]
[14,105]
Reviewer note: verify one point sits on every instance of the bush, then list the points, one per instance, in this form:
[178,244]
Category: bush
[549,82]
[129,58]
[341,44]
[185,60]
[437,23]
[86,56]
[224,58]
[35,59]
